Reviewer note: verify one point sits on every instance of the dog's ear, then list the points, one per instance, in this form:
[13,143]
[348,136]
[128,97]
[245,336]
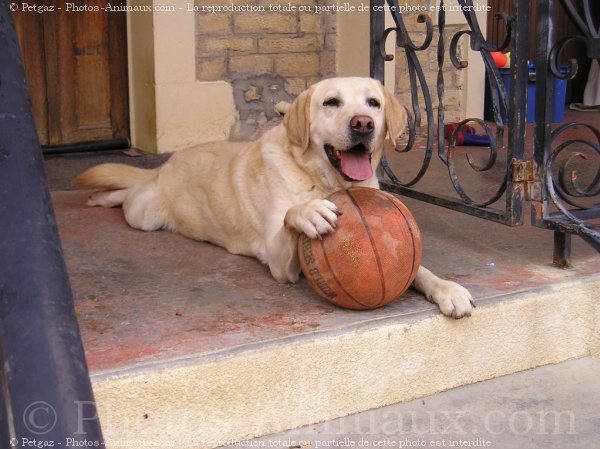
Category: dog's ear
[395,117]
[297,120]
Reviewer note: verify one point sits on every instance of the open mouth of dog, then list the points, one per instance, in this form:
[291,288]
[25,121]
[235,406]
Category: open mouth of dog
[353,163]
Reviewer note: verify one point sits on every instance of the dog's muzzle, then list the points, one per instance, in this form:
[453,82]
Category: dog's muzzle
[353,163]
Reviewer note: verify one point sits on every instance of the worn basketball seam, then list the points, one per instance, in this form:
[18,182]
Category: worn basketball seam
[375,250]
[332,271]
[412,233]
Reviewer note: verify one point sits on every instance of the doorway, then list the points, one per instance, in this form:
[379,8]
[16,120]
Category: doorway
[76,67]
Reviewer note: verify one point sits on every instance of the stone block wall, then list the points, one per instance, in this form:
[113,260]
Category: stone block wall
[271,55]
[268,55]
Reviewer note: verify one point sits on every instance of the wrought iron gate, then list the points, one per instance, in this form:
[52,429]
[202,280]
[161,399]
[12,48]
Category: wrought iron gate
[559,177]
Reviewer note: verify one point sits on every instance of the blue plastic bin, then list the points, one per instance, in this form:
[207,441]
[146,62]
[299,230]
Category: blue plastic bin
[558,103]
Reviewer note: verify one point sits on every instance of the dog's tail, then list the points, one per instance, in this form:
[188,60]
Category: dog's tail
[114,176]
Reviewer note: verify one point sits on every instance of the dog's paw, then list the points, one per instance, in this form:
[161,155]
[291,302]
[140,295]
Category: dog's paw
[314,218]
[100,198]
[453,299]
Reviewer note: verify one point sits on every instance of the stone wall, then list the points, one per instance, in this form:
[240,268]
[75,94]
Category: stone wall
[267,56]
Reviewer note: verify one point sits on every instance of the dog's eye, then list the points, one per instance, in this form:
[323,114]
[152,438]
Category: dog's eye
[332,102]
[374,103]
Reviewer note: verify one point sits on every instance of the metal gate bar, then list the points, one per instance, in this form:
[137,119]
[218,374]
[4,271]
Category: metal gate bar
[543,179]
[513,190]
[559,206]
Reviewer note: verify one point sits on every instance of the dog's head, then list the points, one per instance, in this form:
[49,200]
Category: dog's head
[341,124]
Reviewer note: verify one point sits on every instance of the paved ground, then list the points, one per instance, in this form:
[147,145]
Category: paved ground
[553,407]
[144,298]
[147,298]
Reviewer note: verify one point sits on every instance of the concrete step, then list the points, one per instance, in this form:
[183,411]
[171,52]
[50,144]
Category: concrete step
[187,343]
[272,386]
[552,407]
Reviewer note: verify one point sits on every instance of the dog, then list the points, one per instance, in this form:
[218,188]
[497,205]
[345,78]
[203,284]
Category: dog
[257,200]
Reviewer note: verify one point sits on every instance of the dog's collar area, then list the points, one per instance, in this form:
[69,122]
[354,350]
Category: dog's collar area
[354,163]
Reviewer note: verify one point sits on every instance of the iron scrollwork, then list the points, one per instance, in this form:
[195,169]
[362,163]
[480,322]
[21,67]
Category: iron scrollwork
[447,149]
[589,37]
[569,154]
[417,78]
[563,179]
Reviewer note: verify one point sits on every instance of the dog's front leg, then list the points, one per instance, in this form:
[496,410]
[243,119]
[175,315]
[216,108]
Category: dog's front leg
[313,218]
[453,299]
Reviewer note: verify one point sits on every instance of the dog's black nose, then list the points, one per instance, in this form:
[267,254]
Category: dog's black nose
[362,125]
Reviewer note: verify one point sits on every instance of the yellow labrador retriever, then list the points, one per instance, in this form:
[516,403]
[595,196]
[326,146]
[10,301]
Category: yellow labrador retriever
[255,201]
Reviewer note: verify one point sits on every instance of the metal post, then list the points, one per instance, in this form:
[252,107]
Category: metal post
[515,191]
[543,110]
[46,392]
[377,17]
[543,106]
[562,250]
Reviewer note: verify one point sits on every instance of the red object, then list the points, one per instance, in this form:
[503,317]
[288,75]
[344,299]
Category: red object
[449,129]
[467,136]
[372,257]
[499,58]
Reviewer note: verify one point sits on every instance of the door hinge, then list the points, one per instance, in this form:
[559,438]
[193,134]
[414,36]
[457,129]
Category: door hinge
[525,172]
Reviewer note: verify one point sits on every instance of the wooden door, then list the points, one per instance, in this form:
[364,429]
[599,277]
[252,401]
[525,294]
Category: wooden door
[76,67]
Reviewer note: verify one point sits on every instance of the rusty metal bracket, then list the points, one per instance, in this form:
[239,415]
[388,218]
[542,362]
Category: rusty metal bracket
[526,172]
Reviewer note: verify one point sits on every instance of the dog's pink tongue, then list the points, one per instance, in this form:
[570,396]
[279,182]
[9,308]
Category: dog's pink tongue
[356,166]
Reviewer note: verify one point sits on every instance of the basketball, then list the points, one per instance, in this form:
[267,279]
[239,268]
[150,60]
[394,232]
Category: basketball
[372,257]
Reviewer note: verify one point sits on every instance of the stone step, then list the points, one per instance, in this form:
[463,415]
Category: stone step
[186,342]
[269,387]
[551,407]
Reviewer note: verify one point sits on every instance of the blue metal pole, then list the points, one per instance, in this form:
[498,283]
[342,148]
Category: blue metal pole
[46,391]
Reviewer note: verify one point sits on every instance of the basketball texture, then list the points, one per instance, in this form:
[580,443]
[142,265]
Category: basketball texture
[371,258]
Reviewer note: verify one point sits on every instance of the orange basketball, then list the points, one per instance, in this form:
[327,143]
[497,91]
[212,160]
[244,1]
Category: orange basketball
[371,258]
